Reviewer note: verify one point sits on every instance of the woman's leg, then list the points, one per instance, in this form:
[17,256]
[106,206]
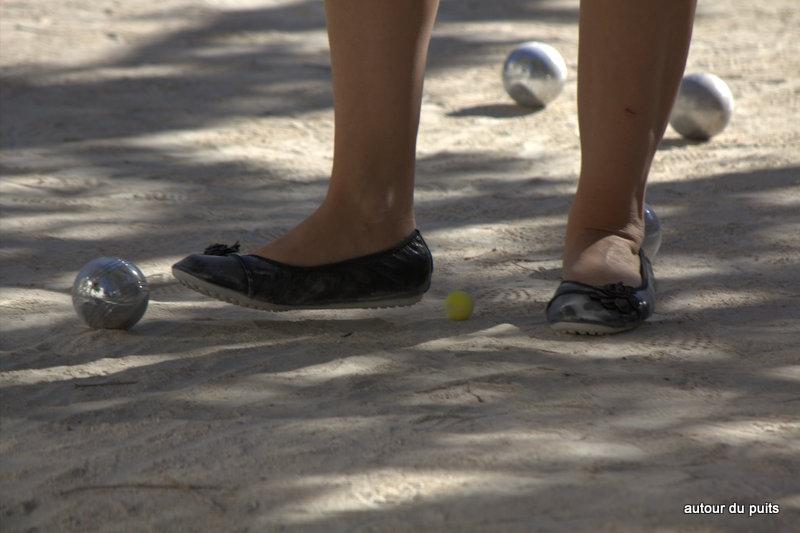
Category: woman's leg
[631,59]
[378,56]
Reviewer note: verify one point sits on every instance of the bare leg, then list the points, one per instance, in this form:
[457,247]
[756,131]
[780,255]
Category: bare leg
[631,59]
[378,56]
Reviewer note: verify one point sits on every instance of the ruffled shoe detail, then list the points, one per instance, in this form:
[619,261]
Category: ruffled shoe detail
[222,249]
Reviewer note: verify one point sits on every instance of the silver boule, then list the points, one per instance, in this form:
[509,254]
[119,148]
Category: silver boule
[703,108]
[534,74]
[110,293]
[652,232]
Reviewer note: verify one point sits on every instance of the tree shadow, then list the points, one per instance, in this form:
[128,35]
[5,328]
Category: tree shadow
[495,111]
[672,143]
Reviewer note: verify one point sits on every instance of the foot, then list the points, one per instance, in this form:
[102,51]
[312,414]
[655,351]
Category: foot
[596,257]
[335,233]
[398,276]
[586,309]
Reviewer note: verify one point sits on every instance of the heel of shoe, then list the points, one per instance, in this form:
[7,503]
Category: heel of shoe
[427,267]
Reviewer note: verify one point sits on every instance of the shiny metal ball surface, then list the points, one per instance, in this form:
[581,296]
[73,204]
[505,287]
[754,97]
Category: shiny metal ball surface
[652,232]
[110,293]
[534,74]
[703,108]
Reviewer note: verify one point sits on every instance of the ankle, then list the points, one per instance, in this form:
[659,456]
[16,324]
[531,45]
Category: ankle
[621,216]
[579,238]
[586,226]
[371,214]
[599,257]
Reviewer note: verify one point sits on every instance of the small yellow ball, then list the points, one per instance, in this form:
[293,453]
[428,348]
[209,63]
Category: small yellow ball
[459,305]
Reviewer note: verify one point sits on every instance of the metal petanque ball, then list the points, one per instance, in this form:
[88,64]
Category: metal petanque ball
[534,74]
[110,293]
[703,108]
[652,232]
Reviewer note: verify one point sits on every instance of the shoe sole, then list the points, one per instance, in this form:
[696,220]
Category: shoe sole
[235,298]
[576,328]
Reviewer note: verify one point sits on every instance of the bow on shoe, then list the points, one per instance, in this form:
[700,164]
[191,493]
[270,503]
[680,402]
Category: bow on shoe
[616,297]
[222,249]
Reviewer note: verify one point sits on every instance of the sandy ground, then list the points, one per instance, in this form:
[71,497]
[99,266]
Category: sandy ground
[150,129]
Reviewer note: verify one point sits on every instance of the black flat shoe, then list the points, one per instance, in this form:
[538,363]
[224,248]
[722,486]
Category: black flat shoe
[395,277]
[589,310]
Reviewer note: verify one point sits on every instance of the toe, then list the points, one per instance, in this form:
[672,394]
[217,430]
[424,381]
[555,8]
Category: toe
[224,271]
[581,309]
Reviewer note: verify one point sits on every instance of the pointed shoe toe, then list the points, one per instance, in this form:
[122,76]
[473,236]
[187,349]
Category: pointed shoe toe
[224,272]
[600,310]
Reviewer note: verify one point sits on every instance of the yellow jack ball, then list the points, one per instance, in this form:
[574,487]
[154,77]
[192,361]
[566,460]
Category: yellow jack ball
[459,305]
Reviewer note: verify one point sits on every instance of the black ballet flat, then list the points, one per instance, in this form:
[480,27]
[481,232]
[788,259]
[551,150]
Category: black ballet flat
[589,310]
[395,277]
